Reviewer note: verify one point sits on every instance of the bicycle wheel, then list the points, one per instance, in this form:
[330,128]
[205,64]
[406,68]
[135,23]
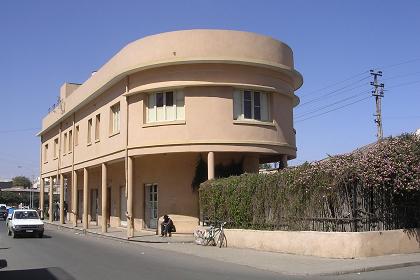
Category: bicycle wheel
[222,241]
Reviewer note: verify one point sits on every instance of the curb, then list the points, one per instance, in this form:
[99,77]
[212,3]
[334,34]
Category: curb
[100,235]
[333,273]
[369,269]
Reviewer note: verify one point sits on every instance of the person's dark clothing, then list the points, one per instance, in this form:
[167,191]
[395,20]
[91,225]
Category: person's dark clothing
[166,226]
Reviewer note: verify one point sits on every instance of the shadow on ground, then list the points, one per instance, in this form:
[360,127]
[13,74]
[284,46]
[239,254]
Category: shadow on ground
[49,273]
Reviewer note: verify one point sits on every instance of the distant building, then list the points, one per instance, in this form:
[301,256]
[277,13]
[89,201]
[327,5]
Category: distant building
[6,184]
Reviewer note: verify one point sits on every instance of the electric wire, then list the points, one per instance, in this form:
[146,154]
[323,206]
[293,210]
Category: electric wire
[331,104]
[336,83]
[338,91]
[332,110]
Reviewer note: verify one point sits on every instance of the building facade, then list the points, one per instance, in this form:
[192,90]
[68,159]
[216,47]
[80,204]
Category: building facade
[124,145]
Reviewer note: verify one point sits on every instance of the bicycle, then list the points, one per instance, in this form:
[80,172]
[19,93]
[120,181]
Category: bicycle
[214,236]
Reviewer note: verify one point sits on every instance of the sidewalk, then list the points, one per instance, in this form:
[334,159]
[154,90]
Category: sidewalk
[275,262]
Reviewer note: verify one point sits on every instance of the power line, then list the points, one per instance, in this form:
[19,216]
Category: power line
[339,91]
[336,83]
[404,84]
[400,63]
[332,110]
[401,76]
[332,104]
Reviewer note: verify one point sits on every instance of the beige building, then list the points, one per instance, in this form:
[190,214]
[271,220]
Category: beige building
[127,141]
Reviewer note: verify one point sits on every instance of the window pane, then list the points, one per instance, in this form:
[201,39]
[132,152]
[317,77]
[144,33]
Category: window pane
[169,98]
[151,110]
[247,105]
[180,101]
[264,106]
[257,108]
[159,99]
[237,105]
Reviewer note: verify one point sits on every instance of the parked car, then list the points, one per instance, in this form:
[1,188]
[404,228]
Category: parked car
[25,221]
[3,212]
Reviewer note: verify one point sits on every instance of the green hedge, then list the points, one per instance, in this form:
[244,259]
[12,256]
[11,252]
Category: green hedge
[373,188]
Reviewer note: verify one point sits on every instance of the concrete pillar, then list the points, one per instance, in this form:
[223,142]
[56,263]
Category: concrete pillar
[61,199]
[130,219]
[104,199]
[284,161]
[51,192]
[85,198]
[41,197]
[74,198]
[210,165]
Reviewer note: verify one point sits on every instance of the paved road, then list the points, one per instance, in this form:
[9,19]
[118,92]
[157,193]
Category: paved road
[67,255]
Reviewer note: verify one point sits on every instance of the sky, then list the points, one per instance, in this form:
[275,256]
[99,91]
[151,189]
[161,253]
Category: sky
[44,43]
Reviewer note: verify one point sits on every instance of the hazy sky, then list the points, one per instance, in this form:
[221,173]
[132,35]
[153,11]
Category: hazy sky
[46,43]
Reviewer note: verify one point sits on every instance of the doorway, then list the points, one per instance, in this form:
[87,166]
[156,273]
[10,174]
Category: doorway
[108,205]
[79,204]
[94,205]
[151,205]
[123,207]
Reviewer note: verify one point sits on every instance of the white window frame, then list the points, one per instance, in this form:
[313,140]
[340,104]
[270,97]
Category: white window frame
[178,107]
[89,131]
[239,111]
[115,118]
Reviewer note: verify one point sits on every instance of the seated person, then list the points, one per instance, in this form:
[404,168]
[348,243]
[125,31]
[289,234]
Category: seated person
[166,227]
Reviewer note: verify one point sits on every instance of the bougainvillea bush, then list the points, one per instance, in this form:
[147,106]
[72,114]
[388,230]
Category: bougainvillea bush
[376,187]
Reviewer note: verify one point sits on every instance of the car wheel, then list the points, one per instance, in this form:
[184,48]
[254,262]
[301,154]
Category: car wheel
[40,234]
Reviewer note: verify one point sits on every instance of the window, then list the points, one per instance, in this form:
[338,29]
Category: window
[55,148]
[251,105]
[97,127]
[115,118]
[46,153]
[65,143]
[165,106]
[70,141]
[76,136]
[89,132]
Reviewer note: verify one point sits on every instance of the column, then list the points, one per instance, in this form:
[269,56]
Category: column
[85,198]
[104,199]
[41,197]
[61,199]
[74,198]
[210,165]
[284,161]
[50,208]
[130,219]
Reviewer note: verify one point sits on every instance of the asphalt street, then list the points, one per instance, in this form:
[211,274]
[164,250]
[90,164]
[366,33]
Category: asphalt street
[69,255]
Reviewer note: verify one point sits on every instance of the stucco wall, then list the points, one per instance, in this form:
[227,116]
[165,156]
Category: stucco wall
[328,244]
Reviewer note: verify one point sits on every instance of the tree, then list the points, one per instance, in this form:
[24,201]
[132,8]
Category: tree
[22,181]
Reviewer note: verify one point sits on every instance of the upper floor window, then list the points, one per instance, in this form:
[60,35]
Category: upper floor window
[46,153]
[115,118]
[97,127]
[65,143]
[76,136]
[70,141]
[55,147]
[166,106]
[251,105]
[89,132]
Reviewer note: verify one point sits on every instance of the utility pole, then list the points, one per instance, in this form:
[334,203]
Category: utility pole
[378,93]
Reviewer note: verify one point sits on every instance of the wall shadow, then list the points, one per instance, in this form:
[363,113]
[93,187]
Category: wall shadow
[3,263]
[49,273]
[413,233]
